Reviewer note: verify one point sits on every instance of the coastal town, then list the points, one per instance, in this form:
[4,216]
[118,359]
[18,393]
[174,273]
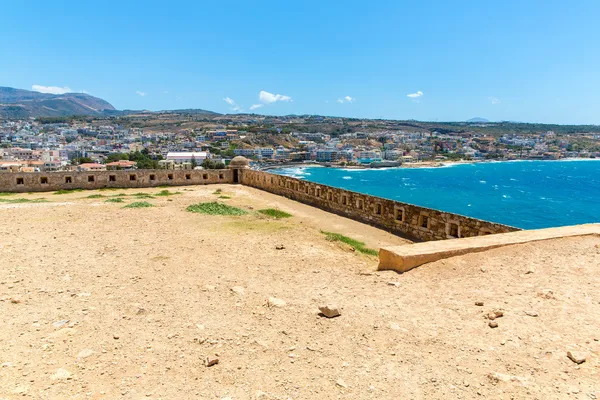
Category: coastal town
[180,141]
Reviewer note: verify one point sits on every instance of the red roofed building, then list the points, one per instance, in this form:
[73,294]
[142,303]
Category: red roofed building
[121,164]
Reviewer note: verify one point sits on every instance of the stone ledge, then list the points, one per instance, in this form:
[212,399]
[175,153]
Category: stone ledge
[406,257]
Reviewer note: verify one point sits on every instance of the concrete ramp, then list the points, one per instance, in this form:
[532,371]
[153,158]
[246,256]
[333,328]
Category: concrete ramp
[407,257]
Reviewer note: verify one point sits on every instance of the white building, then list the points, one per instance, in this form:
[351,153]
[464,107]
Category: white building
[187,156]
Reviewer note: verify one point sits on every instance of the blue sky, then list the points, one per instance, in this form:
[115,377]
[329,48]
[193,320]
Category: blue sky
[534,61]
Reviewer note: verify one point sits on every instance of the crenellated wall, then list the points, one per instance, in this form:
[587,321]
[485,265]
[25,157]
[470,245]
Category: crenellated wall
[51,181]
[413,222]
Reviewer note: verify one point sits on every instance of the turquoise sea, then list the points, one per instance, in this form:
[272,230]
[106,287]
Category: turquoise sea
[524,194]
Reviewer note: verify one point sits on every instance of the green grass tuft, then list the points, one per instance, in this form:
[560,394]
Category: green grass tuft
[166,193]
[108,188]
[6,193]
[143,195]
[218,191]
[114,200]
[96,196]
[359,246]
[224,197]
[215,208]
[22,200]
[272,212]
[67,191]
[139,204]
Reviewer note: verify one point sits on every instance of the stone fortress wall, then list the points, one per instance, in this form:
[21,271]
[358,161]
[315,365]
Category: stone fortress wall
[407,220]
[140,178]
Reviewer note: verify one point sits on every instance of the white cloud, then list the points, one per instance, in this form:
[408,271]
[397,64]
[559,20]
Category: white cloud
[51,89]
[415,95]
[269,98]
[140,93]
[346,99]
[255,106]
[494,100]
[234,106]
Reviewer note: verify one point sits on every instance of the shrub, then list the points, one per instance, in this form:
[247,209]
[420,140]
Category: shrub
[114,200]
[272,212]
[215,208]
[139,204]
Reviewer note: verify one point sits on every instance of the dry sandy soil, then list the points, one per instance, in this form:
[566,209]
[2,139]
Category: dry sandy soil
[102,302]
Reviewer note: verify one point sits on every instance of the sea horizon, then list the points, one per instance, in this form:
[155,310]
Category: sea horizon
[527,194]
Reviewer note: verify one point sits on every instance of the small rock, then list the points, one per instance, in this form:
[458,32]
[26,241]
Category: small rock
[116,337]
[330,311]
[341,383]
[210,361]
[280,247]
[397,284]
[61,373]
[576,357]
[496,314]
[61,323]
[238,290]
[531,313]
[85,353]
[15,300]
[493,324]
[479,303]
[275,302]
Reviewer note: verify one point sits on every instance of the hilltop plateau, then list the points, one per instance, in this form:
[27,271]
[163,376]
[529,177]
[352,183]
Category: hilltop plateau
[101,301]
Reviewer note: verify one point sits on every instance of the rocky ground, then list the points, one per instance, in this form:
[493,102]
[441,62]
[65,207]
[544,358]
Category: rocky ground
[102,302]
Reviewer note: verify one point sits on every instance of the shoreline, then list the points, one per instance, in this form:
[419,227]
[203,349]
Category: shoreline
[415,165]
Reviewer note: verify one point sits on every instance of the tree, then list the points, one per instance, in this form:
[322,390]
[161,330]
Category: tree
[193,161]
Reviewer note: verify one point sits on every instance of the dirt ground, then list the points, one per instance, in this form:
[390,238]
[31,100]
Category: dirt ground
[103,302]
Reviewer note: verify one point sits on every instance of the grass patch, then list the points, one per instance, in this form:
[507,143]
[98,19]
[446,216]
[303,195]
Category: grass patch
[114,200]
[67,191]
[218,191]
[108,188]
[96,196]
[6,194]
[143,196]
[359,246]
[166,193]
[272,212]
[21,200]
[215,208]
[224,197]
[139,204]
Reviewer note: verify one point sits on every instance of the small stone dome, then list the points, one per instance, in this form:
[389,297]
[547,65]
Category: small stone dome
[239,162]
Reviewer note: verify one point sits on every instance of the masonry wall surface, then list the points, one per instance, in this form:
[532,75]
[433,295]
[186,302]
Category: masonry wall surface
[52,181]
[414,222]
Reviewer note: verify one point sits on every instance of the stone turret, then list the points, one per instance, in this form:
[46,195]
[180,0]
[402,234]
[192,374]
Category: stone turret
[237,165]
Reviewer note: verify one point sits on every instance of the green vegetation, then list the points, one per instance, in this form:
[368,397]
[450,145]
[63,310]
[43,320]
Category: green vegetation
[218,191]
[224,197]
[6,194]
[139,204]
[142,158]
[95,196]
[143,195]
[166,193]
[272,212]
[215,208]
[113,189]
[22,200]
[114,200]
[67,191]
[359,246]
[211,164]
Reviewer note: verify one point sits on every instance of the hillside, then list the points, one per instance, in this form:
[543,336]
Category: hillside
[19,103]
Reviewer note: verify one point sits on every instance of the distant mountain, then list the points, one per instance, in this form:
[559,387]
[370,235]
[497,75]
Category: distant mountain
[479,120]
[19,103]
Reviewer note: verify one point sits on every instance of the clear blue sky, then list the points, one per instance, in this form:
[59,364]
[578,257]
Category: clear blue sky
[533,60]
